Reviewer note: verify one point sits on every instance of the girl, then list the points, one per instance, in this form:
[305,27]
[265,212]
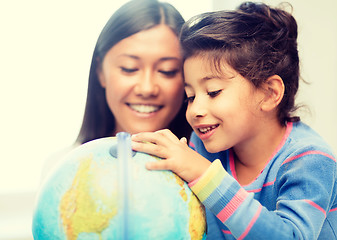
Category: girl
[260,172]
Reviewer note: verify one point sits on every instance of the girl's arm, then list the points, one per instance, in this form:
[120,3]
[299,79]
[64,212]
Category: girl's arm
[176,154]
[303,202]
[303,191]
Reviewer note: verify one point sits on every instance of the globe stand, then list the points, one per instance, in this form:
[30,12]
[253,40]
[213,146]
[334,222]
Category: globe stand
[124,156]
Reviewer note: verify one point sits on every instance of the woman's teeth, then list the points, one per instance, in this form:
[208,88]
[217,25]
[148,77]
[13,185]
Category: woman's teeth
[144,108]
[207,129]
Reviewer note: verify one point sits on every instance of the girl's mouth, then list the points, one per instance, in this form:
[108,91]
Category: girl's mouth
[204,130]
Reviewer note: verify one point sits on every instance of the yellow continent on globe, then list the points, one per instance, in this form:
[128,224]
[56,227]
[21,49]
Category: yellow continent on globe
[85,214]
[197,215]
[197,225]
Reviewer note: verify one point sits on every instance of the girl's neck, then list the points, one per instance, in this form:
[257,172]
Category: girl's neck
[250,159]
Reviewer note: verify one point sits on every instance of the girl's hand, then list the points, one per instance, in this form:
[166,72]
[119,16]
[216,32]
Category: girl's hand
[176,155]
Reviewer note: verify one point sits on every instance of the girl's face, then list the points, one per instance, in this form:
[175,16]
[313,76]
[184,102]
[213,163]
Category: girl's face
[223,110]
[142,77]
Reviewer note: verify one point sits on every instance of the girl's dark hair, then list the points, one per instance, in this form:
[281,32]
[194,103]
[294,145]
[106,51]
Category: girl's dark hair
[255,40]
[131,18]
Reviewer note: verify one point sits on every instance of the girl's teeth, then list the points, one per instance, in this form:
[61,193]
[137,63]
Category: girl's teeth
[144,108]
[207,129]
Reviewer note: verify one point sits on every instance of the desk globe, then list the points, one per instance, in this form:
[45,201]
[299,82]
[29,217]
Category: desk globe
[102,190]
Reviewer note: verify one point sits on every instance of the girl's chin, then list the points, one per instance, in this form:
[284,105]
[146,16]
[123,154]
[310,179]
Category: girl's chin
[212,149]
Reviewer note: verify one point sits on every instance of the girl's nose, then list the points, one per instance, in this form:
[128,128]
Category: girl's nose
[197,108]
[147,86]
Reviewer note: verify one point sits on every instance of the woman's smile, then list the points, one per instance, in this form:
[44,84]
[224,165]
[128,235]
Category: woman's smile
[145,108]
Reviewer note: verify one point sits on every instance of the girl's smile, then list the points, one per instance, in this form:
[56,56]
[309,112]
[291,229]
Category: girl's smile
[206,131]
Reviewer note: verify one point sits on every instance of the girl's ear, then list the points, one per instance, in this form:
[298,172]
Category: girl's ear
[99,72]
[274,91]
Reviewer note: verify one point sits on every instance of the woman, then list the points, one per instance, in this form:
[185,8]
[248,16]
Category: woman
[135,81]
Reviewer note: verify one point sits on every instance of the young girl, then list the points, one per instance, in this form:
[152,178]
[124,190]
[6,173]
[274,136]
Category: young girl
[260,172]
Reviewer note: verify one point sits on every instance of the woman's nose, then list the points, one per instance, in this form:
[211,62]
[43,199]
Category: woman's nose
[147,86]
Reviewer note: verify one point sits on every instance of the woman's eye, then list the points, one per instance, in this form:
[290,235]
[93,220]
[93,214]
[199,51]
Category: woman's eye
[214,93]
[128,70]
[172,73]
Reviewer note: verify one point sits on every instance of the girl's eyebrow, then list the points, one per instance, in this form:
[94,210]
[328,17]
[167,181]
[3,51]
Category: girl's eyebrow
[205,79]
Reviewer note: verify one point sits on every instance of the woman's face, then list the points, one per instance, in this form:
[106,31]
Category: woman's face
[142,77]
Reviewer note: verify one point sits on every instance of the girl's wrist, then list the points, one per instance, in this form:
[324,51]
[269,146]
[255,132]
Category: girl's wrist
[191,183]
[202,173]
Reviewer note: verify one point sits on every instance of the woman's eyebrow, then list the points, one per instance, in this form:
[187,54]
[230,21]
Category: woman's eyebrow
[129,56]
[169,58]
[160,60]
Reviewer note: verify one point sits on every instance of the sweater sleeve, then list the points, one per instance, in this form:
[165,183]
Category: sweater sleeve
[301,206]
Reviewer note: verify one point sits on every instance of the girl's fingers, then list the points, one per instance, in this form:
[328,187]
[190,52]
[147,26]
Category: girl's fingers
[183,140]
[162,137]
[158,165]
[149,137]
[167,135]
[149,148]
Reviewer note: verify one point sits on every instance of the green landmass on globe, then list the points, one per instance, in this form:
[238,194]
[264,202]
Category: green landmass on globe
[82,200]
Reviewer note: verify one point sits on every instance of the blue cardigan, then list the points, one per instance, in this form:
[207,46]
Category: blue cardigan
[294,197]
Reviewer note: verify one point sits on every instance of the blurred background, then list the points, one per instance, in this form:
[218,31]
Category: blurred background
[45,53]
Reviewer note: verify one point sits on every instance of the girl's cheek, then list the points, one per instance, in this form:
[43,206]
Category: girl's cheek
[188,115]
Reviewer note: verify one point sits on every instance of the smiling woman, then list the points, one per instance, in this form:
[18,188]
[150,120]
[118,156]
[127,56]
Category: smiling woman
[46,51]
[135,81]
[143,80]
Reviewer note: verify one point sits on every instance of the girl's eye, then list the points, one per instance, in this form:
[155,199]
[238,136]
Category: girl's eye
[128,70]
[189,99]
[214,93]
[172,73]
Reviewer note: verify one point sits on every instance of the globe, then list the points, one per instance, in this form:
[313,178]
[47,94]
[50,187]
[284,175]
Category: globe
[102,190]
